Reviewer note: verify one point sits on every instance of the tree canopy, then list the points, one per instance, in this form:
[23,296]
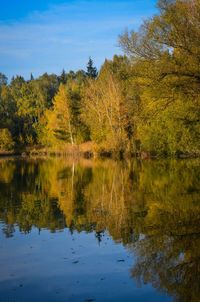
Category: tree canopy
[147,100]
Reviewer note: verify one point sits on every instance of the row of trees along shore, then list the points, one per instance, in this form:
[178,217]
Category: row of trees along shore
[147,100]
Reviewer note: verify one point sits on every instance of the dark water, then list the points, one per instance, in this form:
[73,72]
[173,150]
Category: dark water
[99,231]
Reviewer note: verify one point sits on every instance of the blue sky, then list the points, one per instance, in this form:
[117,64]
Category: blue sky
[48,35]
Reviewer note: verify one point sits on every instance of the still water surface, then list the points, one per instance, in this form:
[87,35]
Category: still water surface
[99,230]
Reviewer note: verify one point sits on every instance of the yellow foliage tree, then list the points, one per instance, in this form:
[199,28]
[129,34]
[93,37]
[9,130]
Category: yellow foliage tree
[59,119]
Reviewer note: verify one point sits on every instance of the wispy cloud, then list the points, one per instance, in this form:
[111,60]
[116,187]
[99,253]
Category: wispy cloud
[65,36]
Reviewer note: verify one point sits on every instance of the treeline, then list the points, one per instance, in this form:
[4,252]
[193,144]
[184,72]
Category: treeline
[145,101]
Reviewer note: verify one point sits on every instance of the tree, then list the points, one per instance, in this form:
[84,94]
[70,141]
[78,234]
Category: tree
[165,55]
[121,70]
[6,141]
[63,77]
[7,108]
[60,117]
[91,70]
[168,45]
[80,77]
[65,122]
[31,77]
[3,79]
[104,112]
[47,86]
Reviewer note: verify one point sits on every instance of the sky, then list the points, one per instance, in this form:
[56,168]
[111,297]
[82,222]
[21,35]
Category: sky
[38,36]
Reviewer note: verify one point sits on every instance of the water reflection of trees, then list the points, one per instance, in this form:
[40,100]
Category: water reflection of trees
[152,207]
[24,199]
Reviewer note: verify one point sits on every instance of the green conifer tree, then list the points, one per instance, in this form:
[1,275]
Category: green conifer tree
[91,70]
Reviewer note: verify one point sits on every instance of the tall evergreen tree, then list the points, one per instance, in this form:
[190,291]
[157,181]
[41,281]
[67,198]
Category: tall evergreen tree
[91,70]
[3,79]
[63,77]
[31,77]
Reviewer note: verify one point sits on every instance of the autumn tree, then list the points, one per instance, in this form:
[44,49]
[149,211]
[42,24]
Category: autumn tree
[104,112]
[165,58]
[60,118]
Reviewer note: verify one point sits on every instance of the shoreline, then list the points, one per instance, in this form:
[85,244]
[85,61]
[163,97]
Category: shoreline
[89,151]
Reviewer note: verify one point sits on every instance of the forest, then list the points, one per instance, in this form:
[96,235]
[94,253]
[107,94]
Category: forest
[146,101]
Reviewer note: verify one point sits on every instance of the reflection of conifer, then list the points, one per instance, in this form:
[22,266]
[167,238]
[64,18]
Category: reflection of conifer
[99,235]
[8,230]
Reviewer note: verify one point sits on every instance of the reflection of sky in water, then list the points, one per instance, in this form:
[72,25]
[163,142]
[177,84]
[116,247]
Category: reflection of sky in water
[68,267]
[99,231]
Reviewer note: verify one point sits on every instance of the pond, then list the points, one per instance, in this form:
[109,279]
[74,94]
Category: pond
[99,230]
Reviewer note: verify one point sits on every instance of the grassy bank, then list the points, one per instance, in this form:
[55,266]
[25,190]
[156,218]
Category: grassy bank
[90,150]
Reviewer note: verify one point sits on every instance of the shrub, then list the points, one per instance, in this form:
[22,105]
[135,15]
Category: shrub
[6,141]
